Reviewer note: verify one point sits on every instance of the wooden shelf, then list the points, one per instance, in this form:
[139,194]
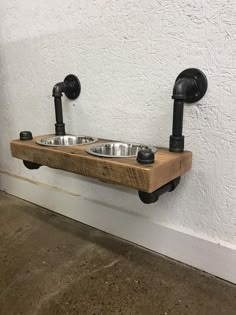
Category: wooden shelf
[124,171]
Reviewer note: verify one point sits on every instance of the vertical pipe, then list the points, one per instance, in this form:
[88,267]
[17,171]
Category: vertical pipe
[178,113]
[177,139]
[58,110]
[59,126]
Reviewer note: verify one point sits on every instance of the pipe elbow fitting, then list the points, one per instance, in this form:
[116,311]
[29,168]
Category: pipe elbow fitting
[58,89]
[181,89]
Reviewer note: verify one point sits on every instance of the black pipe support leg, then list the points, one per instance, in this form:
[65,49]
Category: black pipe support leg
[190,86]
[71,87]
[152,197]
[59,125]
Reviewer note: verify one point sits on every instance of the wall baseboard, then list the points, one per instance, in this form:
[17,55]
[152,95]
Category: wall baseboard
[200,253]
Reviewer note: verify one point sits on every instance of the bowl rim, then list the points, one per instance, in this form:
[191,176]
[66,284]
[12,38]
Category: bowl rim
[39,141]
[98,145]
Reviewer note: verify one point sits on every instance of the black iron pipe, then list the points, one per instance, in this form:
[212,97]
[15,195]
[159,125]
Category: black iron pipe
[58,109]
[154,196]
[177,139]
[59,125]
[180,94]
[71,88]
[178,113]
[57,94]
[31,165]
[190,86]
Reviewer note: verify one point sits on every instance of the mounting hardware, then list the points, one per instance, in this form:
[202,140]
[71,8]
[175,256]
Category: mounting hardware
[71,87]
[26,135]
[154,196]
[146,156]
[31,165]
[190,86]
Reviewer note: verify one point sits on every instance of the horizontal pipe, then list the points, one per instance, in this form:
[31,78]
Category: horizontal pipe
[152,197]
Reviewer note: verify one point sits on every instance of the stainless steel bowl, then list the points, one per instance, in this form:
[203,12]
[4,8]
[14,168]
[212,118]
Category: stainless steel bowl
[118,149]
[57,141]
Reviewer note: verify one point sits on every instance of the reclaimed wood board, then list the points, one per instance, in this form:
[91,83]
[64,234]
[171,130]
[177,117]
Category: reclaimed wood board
[124,171]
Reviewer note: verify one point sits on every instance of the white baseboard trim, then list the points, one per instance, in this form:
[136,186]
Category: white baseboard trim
[197,252]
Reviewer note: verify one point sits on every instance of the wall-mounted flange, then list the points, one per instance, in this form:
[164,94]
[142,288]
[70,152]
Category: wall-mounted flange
[194,83]
[72,86]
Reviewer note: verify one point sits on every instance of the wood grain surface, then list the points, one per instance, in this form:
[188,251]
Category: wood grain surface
[124,171]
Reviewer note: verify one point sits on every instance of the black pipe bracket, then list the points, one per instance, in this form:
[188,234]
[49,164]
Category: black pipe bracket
[196,85]
[26,135]
[152,197]
[31,165]
[190,86]
[71,87]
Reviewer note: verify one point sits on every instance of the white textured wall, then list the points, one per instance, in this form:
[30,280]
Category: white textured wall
[127,55]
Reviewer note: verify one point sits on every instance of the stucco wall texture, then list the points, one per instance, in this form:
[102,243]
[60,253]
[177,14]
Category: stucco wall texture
[127,55]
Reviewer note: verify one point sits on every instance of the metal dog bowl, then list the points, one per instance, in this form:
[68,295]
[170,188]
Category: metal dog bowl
[57,141]
[118,149]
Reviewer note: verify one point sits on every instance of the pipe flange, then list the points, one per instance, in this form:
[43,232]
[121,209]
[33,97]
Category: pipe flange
[72,86]
[199,87]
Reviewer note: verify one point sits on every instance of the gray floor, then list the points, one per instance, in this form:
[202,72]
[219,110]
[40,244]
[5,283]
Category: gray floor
[53,265]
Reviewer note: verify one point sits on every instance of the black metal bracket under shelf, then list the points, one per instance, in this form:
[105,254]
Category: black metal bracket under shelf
[152,197]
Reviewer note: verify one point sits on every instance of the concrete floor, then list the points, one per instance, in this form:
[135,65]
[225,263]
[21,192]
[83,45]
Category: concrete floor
[53,265]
